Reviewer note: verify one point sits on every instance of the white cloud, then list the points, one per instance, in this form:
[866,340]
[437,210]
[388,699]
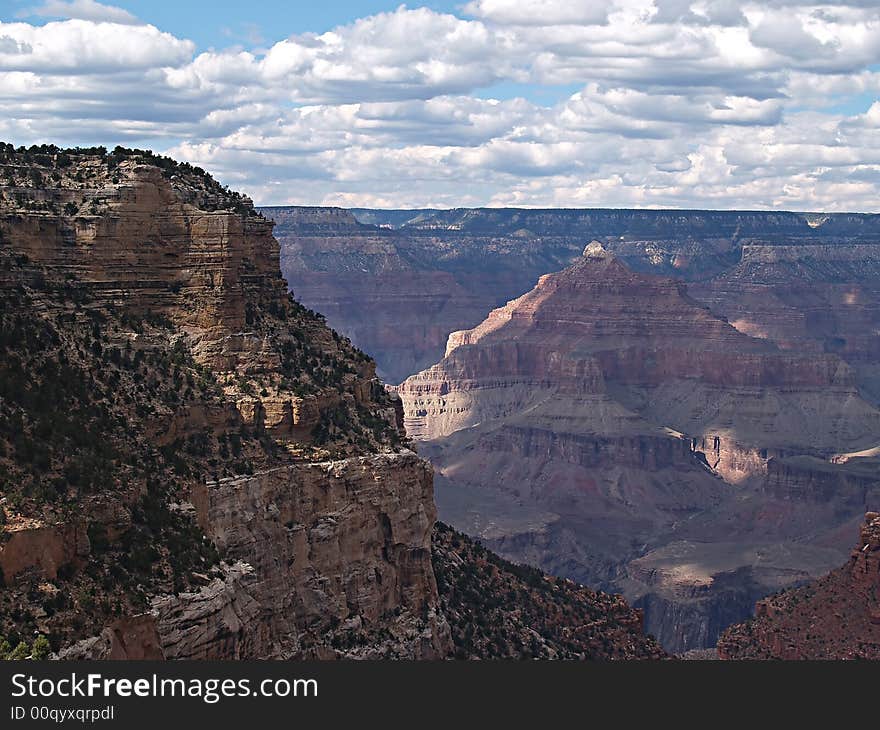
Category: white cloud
[700,103]
[83,10]
[541,12]
[81,47]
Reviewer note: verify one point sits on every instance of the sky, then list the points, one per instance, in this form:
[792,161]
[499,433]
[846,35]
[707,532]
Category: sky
[715,104]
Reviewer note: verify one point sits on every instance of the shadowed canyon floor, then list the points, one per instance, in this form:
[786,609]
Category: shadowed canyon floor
[687,413]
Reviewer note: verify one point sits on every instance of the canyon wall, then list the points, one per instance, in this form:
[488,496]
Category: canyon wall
[468,261]
[657,440]
[717,406]
[265,444]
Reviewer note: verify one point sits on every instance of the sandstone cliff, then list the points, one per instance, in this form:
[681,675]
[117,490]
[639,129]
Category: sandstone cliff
[193,464]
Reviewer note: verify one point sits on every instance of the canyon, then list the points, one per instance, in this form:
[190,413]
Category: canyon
[834,617]
[683,408]
[678,409]
[376,274]
[193,465]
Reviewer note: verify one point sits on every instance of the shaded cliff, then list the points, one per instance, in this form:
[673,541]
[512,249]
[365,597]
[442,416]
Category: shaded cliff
[498,610]
[834,617]
[194,466]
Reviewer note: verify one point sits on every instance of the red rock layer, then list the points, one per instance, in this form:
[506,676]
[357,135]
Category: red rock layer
[835,617]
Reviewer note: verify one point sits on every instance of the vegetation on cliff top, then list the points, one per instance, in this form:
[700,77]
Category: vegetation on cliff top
[48,167]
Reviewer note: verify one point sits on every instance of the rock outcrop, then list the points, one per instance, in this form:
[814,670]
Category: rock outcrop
[330,543]
[134,638]
[834,617]
[632,419]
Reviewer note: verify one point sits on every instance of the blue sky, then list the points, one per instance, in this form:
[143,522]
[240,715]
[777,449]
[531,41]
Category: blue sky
[629,103]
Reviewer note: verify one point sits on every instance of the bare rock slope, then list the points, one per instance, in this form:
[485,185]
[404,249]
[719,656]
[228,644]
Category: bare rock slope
[398,282]
[834,617]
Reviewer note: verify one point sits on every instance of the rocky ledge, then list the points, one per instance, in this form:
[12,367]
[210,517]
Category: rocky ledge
[834,617]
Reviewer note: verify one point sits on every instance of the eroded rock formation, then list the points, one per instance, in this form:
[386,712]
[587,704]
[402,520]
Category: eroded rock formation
[608,426]
[796,277]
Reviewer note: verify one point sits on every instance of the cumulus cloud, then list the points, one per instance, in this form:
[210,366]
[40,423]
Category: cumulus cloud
[689,103]
[541,12]
[82,10]
[81,47]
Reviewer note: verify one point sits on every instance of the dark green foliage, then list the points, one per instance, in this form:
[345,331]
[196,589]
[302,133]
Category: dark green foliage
[69,429]
[41,648]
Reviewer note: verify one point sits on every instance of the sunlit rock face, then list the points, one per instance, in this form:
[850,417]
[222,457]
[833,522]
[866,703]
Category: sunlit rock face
[399,282]
[606,416]
[193,465]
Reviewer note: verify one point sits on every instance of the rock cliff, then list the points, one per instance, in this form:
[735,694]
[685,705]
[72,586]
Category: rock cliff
[194,466]
[834,617]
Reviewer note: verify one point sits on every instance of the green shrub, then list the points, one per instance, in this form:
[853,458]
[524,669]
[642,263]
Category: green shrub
[22,651]
[41,648]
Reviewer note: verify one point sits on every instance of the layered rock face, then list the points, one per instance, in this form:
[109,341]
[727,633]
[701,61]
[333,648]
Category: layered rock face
[618,426]
[232,418]
[785,416]
[835,617]
[330,542]
[469,261]
[816,298]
